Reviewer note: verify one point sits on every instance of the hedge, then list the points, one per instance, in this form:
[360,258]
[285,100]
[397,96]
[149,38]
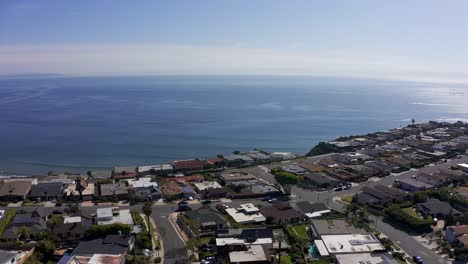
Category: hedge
[397,212]
[10,213]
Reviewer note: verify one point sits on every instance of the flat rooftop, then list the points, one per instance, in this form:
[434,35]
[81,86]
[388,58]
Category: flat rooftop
[240,217]
[352,243]
[249,208]
[255,253]
[239,241]
[366,258]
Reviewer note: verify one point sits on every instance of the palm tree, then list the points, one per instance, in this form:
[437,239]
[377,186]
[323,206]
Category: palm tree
[351,209]
[190,247]
[25,232]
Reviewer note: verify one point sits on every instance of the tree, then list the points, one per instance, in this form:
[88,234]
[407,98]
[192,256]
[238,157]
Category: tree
[147,208]
[351,209]
[236,152]
[25,232]
[90,173]
[73,207]
[413,121]
[221,156]
[190,247]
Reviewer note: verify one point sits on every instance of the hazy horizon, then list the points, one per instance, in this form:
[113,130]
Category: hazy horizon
[398,40]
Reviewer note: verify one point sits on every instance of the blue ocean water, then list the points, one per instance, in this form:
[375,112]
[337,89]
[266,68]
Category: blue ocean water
[76,124]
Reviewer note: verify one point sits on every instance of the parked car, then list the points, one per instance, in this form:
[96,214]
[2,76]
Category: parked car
[206,202]
[338,189]
[417,260]
[273,200]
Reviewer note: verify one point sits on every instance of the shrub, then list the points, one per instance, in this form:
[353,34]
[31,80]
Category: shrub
[138,220]
[6,221]
[98,231]
[143,240]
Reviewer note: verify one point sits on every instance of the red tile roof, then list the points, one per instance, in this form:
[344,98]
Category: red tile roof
[189,164]
[191,178]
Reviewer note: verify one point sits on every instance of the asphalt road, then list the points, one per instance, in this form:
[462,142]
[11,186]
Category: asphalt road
[174,246]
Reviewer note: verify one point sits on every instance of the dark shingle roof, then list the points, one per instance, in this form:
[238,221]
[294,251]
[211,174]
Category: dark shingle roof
[112,245]
[5,256]
[51,189]
[307,207]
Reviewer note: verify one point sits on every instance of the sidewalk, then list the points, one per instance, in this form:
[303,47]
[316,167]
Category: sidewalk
[155,239]
[180,232]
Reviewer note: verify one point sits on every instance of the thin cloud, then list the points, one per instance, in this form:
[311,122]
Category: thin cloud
[128,59]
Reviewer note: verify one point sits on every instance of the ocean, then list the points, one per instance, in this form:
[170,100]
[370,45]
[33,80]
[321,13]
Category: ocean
[79,123]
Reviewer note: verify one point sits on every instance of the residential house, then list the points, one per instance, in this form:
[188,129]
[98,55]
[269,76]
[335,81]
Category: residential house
[385,167]
[381,195]
[189,165]
[15,191]
[258,156]
[8,257]
[206,219]
[365,258]
[216,162]
[246,214]
[333,227]
[335,245]
[343,174]
[413,185]
[281,213]
[254,254]
[162,169]
[172,190]
[110,245]
[455,175]
[294,168]
[364,171]
[103,174]
[112,215]
[437,209]
[189,192]
[401,162]
[238,160]
[46,191]
[320,180]
[463,167]
[462,192]
[114,191]
[231,177]
[210,189]
[279,156]
[125,172]
[33,221]
[68,227]
[434,179]
[463,140]
[311,166]
[94,259]
[186,179]
[312,210]
[145,189]
[81,189]
[452,233]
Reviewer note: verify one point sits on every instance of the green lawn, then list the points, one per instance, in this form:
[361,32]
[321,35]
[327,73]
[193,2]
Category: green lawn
[301,231]
[321,261]
[204,240]
[347,198]
[284,259]
[410,211]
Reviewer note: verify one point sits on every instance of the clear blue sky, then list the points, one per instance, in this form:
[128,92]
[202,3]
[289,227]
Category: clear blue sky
[388,39]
